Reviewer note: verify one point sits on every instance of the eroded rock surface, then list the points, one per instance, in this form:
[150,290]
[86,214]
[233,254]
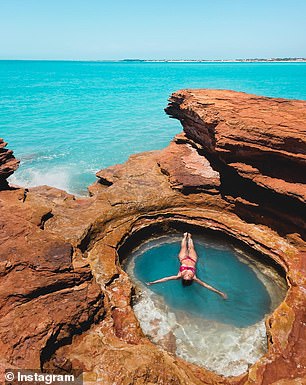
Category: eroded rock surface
[258,144]
[188,171]
[8,164]
[47,291]
[60,267]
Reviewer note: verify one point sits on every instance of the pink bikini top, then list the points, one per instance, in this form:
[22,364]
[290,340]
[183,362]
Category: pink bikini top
[185,267]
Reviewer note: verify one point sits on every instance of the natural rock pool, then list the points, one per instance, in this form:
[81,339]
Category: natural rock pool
[196,324]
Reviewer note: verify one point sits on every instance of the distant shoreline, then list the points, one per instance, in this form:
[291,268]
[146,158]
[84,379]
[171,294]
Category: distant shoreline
[272,60]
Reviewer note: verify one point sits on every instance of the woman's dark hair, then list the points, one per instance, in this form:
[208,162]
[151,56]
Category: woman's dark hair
[186,282]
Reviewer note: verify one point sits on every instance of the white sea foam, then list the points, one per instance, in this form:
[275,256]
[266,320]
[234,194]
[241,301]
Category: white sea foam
[54,177]
[222,348]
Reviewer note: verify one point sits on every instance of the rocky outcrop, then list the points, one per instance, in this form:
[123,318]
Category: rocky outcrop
[8,164]
[61,256]
[187,170]
[259,146]
[47,291]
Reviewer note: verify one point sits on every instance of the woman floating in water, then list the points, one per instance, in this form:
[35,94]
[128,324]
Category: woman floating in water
[188,258]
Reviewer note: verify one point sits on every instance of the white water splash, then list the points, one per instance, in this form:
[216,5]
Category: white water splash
[55,177]
[222,348]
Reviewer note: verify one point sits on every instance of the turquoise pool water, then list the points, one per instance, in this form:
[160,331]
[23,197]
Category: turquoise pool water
[248,299]
[198,325]
[66,120]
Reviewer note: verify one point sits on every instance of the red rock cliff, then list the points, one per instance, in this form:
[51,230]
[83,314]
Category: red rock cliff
[257,144]
[8,164]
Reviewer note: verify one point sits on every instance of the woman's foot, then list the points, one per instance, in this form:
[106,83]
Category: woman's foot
[185,240]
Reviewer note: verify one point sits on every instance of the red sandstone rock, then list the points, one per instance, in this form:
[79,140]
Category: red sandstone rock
[254,141]
[59,263]
[187,170]
[8,164]
[47,293]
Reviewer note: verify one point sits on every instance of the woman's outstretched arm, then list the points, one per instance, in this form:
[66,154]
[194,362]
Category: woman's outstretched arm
[171,277]
[223,295]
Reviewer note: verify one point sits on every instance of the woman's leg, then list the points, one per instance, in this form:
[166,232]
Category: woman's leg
[184,247]
[192,253]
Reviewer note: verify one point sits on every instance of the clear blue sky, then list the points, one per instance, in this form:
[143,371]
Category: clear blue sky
[118,29]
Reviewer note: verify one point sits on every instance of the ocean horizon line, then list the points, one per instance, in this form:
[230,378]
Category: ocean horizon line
[246,60]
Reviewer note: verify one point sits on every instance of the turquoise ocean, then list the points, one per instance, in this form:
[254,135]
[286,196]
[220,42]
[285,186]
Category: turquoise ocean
[67,120]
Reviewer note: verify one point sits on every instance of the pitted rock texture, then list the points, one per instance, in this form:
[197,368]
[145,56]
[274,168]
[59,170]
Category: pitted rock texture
[60,255]
[8,164]
[188,171]
[257,142]
[47,291]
